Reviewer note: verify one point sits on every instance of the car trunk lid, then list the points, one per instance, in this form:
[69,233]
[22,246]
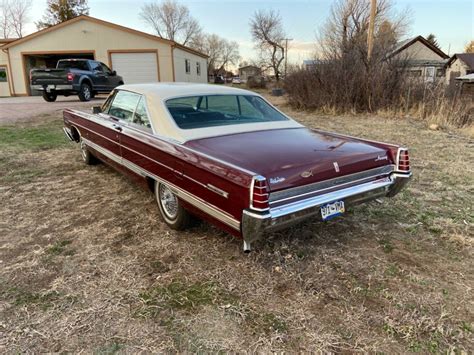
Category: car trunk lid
[293,157]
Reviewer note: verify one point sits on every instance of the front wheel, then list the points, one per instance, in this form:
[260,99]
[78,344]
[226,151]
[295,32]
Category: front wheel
[85,92]
[49,96]
[173,213]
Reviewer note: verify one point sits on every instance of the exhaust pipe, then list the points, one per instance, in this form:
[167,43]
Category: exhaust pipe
[247,248]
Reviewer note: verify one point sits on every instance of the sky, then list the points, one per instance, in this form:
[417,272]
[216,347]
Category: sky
[452,21]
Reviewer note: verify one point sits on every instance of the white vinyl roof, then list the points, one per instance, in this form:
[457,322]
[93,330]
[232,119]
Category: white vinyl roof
[157,94]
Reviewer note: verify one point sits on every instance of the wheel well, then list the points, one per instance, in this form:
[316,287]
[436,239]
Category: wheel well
[87,81]
[151,184]
[75,134]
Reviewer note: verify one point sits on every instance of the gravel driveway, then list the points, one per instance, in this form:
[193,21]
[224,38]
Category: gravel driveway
[23,109]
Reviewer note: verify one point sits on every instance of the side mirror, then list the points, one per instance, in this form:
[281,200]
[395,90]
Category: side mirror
[114,73]
[96,110]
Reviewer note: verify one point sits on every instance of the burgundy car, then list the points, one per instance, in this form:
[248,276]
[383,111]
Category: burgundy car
[230,157]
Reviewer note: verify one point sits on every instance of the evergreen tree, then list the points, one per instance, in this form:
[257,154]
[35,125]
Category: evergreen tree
[432,39]
[62,10]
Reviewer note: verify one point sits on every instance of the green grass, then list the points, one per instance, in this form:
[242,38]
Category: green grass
[59,248]
[21,297]
[180,296]
[32,138]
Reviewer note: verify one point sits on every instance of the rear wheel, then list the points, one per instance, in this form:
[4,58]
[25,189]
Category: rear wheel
[85,92]
[171,209]
[87,156]
[49,96]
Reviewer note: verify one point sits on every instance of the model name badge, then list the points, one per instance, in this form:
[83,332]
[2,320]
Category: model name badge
[276,180]
[381,157]
[306,174]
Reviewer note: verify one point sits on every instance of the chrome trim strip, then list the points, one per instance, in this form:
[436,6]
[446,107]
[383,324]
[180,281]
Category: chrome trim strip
[217,190]
[321,186]
[68,134]
[210,209]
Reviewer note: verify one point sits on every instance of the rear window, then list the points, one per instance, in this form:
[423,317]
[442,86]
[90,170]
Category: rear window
[73,64]
[221,110]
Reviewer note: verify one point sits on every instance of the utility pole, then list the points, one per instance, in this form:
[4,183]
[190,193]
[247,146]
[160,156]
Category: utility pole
[370,37]
[286,52]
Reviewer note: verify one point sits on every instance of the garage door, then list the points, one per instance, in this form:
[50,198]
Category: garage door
[136,67]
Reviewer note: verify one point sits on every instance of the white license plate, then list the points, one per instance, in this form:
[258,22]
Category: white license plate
[332,210]
[50,87]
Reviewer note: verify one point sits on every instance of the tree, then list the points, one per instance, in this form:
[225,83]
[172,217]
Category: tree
[267,32]
[469,47]
[172,21]
[432,39]
[13,17]
[58,11]
[221,51]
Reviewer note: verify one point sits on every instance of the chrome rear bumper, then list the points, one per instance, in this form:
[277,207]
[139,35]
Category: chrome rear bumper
[255,224]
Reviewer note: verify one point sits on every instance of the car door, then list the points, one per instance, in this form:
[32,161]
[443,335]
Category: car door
[98,76]
[111,79]
[116,113]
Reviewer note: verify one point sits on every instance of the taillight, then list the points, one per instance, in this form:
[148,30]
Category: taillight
[259,194]
[403,160]
[70,76]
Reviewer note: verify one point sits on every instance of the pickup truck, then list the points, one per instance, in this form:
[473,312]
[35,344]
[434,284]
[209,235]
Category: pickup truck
[82,77]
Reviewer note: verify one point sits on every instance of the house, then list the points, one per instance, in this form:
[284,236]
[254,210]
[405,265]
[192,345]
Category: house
[424,59]
[137,56]
[459,65]
[249,71]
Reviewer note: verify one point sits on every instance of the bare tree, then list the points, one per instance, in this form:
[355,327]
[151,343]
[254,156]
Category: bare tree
[19,11]
[221,51]
[266,28]
[6,30]
[13,17]
[172,21]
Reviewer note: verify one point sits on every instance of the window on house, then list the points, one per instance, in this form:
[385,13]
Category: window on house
[187,66]
[198,68]
[439,72]
[415,73]
[3,75]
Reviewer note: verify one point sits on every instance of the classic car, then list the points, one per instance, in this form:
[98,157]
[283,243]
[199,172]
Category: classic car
[228,156]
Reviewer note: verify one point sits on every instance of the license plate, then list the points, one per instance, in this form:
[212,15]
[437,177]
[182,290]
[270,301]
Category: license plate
[332,210]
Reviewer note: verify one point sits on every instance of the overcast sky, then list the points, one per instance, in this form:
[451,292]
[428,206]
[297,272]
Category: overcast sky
[452,21]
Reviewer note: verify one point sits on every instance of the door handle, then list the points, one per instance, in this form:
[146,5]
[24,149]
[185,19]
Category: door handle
[117,127]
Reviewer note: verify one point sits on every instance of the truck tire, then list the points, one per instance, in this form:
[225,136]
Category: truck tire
[49,96]
[85,92]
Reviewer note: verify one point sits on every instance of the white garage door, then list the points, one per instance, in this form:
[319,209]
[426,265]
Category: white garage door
[136,68]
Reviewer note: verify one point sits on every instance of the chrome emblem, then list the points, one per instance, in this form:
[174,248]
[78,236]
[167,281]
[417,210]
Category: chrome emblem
[276,180]
[381,157]
[336,166]
[306,174]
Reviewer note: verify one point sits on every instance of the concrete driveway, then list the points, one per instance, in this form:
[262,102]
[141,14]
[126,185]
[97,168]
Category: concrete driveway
[22,109]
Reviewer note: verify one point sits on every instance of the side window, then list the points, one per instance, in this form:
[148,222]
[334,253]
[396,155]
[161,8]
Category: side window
[223,103]
[141,115]
[106,105]
[95,66]
[198,68]
[187,65]
[248,109]
[124,104]
[105,68]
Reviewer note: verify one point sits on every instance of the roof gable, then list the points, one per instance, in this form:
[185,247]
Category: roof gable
[466,58]
[402,45]
[105,23]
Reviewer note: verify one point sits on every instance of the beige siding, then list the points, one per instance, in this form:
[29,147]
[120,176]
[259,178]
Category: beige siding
[418,51]
[180,57]
[4,86]
[457,68]
[86,35]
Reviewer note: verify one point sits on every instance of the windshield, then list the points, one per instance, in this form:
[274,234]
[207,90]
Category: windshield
[221,110]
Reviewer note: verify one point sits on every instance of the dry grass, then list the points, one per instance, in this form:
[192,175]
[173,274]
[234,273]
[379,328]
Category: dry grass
[87,264]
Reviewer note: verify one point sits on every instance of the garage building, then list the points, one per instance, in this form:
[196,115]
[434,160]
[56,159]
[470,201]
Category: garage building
[137,56]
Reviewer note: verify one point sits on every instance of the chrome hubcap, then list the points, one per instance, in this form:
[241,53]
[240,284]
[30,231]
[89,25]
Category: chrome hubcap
[87,92]
[168,201]
[83,150]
